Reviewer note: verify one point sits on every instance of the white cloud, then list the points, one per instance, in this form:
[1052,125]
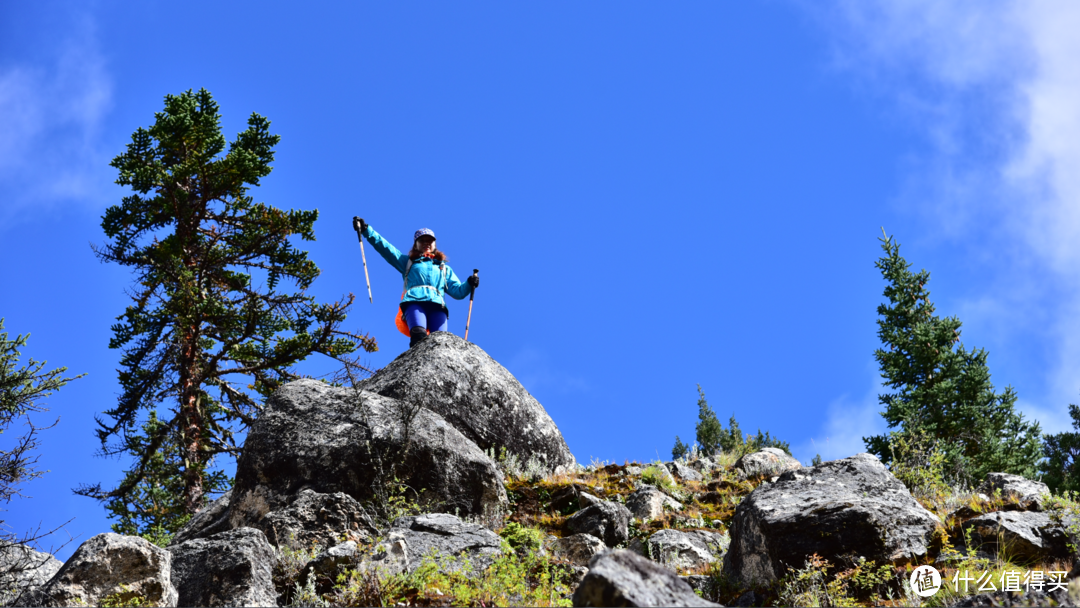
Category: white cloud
[995,88]
[533,369]
[847,421]
[51,113]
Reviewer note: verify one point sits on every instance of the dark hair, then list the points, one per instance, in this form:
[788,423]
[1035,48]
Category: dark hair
[415,253]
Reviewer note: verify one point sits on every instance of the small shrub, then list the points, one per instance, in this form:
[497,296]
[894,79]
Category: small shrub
[810,586]
[657,474]
[126,598]
[522,537]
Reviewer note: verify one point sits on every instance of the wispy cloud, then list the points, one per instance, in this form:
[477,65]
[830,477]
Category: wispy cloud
[847,420]
[534,370]
[51,114]
[995,90]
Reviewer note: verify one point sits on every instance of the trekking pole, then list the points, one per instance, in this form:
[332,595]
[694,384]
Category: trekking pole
[475,273]
[363,256]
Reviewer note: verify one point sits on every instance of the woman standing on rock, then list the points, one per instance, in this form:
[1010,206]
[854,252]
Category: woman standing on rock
[427,278]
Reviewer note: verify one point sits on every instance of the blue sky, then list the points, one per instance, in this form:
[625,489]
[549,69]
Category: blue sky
[657,196]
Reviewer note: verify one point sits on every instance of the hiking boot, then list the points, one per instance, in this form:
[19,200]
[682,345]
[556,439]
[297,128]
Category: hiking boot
[416,334]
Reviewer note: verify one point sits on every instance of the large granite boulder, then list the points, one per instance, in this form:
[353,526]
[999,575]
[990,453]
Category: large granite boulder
[1027,493]
[683,550]
[23,570]
[314,436]
[609,521]
[456,379]
[121,568]
[233,568]
[624,578]
[840,510]
[1026,535]
[766,462]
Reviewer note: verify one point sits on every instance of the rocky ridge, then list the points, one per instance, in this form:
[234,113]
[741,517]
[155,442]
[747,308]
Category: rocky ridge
[314,517]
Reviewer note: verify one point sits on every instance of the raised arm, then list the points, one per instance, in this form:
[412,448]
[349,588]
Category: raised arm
[386,250]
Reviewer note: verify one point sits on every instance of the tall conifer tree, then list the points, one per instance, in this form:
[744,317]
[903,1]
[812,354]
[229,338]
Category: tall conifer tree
[210,330]
[943,391]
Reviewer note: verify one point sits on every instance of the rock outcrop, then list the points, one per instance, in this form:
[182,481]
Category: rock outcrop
[840,510]
[1023,535]
[441,534]
[648,502]
[314,519]
[314,436]
[766,462]
[683,472]
[609,521]
[23,570]
[623,578]
[211,519]
[684,550]
[233,568]
[578,549]
[1029,494]
[120,568]
[457,380]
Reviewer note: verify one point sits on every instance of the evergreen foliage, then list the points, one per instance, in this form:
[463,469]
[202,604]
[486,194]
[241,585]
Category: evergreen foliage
[709,430]
[942,389]
[713,438]
[680,449]
[1060,471]
[212,328]
[22,390]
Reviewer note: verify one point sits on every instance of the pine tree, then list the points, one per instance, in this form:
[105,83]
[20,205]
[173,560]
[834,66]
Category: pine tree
[709,429]
[942,389]
[23,389]
[1060,470]
[680,449]
[201,333]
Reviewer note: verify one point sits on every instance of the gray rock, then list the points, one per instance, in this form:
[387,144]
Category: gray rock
[623,578]
[329,562]
[766,462]
[839,509]
[578,549]
[608,521]
[647,502]
[319,520]
[211,519]
[682,550]
[314,436]
[1027,535]
[587,500]
[124,567]
[1030,494]
[459,381]
[703,465]
[441,534]
[23,570]
[683,472]
[634,470]
[232,568]
[703,583]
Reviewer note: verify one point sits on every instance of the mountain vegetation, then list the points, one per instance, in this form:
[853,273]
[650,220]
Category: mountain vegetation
[212,329]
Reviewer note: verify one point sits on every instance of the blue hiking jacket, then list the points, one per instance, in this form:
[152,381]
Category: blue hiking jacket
[428,280]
